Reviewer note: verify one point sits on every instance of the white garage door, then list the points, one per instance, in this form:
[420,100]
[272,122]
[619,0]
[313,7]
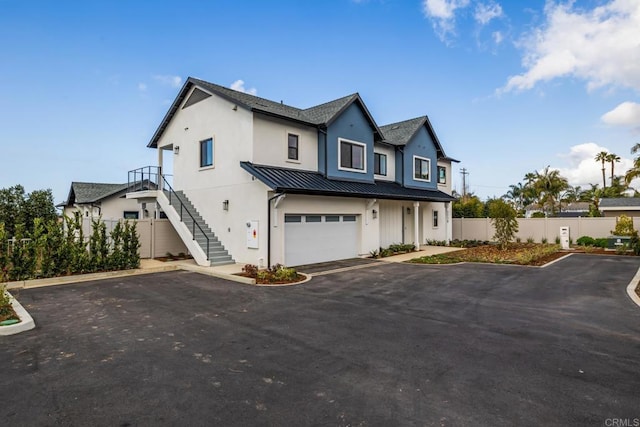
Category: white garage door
[318,238]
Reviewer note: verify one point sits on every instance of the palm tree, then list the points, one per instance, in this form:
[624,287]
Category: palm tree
[602,157]
[550,184]
[594,195]
[613,158]
[515,194]
[634,172]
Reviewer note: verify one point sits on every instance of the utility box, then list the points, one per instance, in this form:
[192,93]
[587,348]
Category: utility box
[564,237]
[252,234]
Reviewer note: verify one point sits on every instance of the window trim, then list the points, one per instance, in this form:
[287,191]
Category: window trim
[444,181]
[136,216]
[364,155]
[435,220]
[213,153]
[428,161]
[297,148]
[375,163]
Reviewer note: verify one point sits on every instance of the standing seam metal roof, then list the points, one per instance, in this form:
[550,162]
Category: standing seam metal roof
[314,183]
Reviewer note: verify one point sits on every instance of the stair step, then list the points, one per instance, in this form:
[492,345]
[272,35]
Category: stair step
[217,255]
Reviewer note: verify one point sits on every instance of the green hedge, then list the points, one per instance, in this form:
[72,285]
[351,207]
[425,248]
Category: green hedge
[60,248]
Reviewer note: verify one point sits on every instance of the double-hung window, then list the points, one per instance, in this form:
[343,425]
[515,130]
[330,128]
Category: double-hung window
[292,147]
[352,155]
[379,164]
[206,153]
[421,169]
[442,175]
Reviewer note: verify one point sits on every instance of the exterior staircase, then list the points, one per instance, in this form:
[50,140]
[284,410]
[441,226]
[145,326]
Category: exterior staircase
[216,253]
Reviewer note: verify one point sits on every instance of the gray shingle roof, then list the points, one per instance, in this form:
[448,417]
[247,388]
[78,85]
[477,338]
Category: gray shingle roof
[620,202]
[401,133]
[92,192]
[318,115]
[323,113]
[313,183]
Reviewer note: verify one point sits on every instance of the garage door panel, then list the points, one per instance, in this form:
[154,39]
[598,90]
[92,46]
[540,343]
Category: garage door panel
[327,240]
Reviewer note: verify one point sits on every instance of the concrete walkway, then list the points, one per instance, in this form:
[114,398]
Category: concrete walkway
[424,251]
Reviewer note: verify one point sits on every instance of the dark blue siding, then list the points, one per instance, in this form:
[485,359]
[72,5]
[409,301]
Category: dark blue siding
[353,125]
[423,146]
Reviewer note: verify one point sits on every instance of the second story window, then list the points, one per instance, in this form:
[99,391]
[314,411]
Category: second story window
[421,169]
[206,153]
[352,156]
[442,175]
[292,147]
[379,164]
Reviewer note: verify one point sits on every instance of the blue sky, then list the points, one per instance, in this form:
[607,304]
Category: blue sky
[509,86]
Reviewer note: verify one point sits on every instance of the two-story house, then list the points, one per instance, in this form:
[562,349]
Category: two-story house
[262,182]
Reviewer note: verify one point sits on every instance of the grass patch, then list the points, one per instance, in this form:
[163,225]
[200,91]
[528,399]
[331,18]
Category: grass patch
[515,253]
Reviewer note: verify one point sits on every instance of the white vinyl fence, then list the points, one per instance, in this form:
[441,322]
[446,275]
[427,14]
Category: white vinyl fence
[157,236]
[536,228]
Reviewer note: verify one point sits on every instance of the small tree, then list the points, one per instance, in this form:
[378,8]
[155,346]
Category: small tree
[624,227]
[503,218]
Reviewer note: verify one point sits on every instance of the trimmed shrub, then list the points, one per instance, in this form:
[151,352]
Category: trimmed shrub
[586,241]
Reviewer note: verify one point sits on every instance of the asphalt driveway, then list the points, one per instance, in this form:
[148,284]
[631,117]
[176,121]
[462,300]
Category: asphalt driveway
[391,344]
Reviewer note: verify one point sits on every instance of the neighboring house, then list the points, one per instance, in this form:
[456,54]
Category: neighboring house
[108,201]
[261,182]
[629,206]
[567,210]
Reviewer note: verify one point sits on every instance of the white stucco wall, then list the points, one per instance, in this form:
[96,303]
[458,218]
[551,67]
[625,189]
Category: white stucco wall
[391,162]
[270,143]
[298,204]
[447,186]
[110,208]
[232,131]
[444,229]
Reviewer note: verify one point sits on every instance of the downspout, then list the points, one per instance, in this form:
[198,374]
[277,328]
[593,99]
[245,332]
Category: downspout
[402,166]
[278,195]
[326,154]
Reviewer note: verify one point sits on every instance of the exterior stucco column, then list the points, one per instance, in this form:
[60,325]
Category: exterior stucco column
[448,223]
[416,225]
[160,159]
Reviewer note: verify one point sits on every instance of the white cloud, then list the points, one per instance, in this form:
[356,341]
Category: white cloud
[486,12]
[442,14]
[497,37]
[599,46]
[582,169]
[239,86]
[173,81]
[142,87]
[625,114]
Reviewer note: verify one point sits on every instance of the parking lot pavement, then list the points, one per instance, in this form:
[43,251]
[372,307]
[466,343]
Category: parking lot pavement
[392,344]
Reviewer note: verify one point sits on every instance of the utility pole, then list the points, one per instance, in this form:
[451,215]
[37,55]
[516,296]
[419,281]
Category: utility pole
[464,173]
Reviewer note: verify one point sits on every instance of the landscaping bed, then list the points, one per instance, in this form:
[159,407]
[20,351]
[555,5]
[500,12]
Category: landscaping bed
[276,275]
[7,313]
[535,254]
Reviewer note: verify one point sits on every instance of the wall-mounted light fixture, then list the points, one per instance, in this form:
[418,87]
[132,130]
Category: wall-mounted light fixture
[374,214]
[176,150]
[408,211]
[235,108]
[225,205]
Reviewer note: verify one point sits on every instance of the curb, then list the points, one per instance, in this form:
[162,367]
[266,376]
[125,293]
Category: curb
[631,288]
[208,272]
[79,278]
[26,321]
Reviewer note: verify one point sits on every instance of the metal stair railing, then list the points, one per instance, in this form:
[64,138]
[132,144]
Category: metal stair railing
[162,183]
